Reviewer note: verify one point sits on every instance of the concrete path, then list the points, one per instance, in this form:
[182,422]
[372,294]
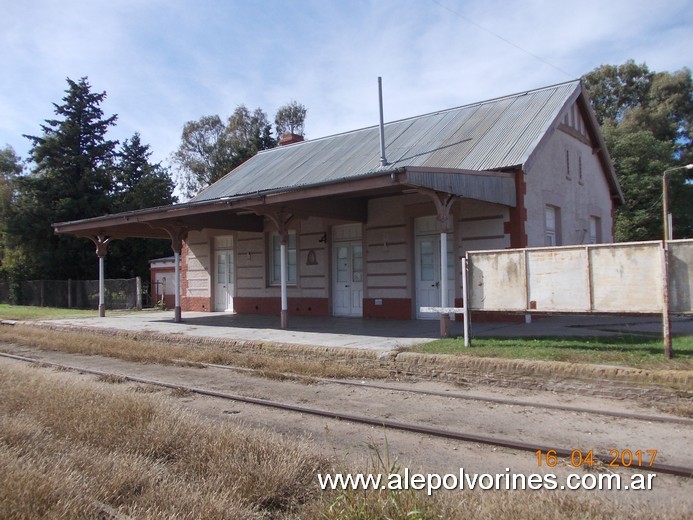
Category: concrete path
[379,335]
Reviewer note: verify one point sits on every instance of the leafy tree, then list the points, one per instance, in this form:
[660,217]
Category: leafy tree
[290,118]
[203,155]
[210,148]
[10,163]
[11,168]
[248,133]
[614,89]
[646,118]
[639,158]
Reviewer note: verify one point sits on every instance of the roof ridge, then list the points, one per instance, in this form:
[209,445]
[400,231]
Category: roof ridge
[427,114]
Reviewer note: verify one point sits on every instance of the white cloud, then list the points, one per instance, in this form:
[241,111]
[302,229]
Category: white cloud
[166,62]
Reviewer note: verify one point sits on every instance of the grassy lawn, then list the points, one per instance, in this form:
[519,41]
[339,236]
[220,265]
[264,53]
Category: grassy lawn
[631,350]
[21,312]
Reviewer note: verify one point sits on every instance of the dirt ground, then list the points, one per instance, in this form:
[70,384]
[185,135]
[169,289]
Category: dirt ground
[358,444]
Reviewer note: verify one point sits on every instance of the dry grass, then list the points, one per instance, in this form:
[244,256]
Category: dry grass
[73,447]
[146,351]
[522,505]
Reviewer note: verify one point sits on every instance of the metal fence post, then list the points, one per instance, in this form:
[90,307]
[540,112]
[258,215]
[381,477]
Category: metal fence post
[465,303]
[666,316]
[138,285]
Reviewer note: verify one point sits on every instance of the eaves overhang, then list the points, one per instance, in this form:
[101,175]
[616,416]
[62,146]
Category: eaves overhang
[488,186]
[344,199]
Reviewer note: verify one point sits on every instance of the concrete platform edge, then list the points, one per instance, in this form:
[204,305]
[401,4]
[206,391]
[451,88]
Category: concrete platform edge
[457,368]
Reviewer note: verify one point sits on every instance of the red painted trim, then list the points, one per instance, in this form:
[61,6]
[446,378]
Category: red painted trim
[496,317]
[272,306]
[391,308]
[518,215]
[195,303]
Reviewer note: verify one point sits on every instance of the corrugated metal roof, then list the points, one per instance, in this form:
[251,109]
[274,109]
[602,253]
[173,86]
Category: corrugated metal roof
[489,135]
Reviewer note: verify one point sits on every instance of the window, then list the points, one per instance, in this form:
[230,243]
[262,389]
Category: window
[552,226]
[275,259]
[567,164]
[580,180]
[595,230]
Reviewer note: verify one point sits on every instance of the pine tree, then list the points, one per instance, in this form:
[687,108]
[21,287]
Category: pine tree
[137,184]
[72,180]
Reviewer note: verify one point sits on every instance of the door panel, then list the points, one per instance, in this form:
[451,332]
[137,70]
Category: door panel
[347,294]
[224,276]
[428,274]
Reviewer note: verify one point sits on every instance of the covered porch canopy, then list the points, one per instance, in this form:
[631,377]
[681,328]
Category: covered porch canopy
[344,199]
[473,151]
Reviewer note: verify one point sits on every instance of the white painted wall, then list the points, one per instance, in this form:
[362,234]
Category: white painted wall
[388,249]
[250,264]
[198,264]
[548,183]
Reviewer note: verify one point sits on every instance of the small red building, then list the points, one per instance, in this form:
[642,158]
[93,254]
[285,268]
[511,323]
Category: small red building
[162,277]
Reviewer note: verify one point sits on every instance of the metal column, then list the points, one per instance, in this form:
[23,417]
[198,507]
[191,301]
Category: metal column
[283,273]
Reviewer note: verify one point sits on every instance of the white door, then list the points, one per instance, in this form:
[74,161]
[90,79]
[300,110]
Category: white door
[348,279]
[428,274]
[223,300]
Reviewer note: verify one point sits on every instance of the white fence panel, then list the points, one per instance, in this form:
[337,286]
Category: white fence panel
[497,281]
[603,278]
[558,280]
[627,278]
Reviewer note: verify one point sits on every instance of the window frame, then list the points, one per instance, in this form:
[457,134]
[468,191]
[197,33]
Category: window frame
[273,255]
[552,233]
[596,237]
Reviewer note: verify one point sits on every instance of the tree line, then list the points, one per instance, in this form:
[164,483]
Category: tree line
[646,121]
[74,171]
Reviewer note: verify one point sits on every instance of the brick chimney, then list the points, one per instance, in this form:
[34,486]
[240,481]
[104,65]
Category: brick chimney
[290,139]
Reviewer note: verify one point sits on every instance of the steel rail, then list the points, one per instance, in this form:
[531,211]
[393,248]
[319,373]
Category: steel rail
[384,423]
[494,400]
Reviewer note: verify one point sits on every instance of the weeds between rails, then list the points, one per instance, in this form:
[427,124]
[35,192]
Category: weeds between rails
[76,448]
[269,363]
[152,351]
[187,391]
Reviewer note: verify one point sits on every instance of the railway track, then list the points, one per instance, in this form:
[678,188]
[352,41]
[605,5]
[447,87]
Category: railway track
[358,419]
[453,395]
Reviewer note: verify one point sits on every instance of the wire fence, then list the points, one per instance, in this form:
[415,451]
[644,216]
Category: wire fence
[77,294]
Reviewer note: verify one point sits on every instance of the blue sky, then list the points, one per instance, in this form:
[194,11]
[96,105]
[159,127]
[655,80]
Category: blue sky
[165,62]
